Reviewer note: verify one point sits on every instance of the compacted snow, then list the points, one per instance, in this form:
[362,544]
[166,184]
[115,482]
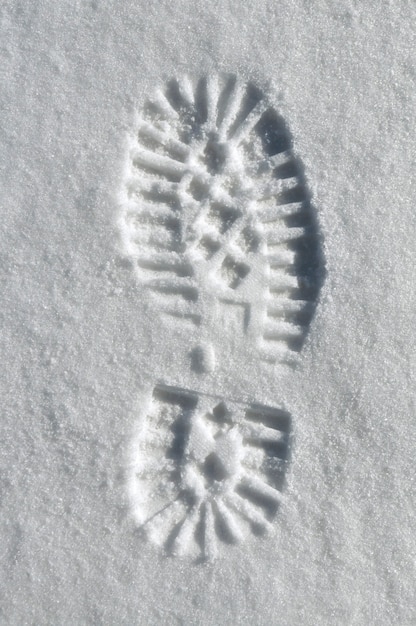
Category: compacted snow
[208,364]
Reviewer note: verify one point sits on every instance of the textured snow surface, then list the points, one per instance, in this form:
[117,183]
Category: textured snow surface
[81,344]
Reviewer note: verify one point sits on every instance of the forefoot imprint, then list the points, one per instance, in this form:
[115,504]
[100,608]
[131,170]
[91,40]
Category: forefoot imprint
[216,212]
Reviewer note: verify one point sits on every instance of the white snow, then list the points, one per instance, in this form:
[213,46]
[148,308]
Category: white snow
[82,346]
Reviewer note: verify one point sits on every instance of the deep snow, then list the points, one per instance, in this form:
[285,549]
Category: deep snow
[79,342]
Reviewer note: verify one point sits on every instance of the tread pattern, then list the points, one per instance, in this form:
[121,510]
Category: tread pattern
[215,207]
[204,471]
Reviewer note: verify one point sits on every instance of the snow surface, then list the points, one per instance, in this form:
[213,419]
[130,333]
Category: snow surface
[79,342]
